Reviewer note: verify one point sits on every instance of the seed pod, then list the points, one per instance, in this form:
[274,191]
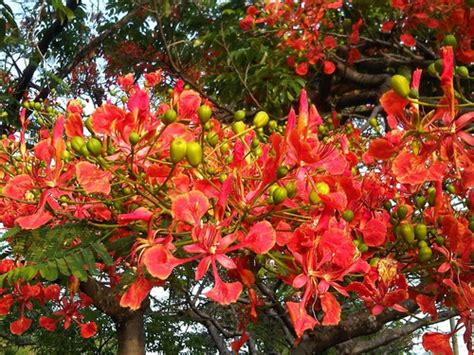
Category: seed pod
[400,85]
[279,195]
[94,146]
[169,117]
[261,119]
[178,149]
[194,154]
[348,215]
[204,113]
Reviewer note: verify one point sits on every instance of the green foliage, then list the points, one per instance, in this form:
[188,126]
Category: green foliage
[53,252]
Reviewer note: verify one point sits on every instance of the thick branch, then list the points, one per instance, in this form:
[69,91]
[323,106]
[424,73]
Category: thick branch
[361,323]
[365,80]
[105,300]
[387,336]
[50,34]
[85,51]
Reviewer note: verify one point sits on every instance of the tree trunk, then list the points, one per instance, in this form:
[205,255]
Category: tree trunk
[131,335]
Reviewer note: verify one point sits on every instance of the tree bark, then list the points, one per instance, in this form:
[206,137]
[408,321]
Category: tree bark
[130,324]
[131,335]
[359,324]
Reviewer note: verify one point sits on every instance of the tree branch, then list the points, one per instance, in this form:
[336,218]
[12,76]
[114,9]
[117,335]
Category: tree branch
[85,51]
[358,324]
[386,336]
[105,300]
[50,34]
[365,80]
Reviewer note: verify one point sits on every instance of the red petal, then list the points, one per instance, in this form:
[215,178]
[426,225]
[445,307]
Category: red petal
[52,292]
[104,118]
[20,326]
[92,179]
[225,293]
[408,40]
[189,102]
[35,220]
[387,26]
[88,329]
[427,305]
[375,233]
[159,261]
[302,69]
[236,345]
[139,101]
[140,214]
[18,186]
[135,294]
[329,67]
[331,309]
[5,303]
[381,149]
[47,323]
[225,261]
[339,245]
[73,125]
[261,237]
[190,207]
[202,268]
[437,343]
[300,319]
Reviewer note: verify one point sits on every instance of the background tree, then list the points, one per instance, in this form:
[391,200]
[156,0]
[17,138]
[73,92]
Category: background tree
[88,241]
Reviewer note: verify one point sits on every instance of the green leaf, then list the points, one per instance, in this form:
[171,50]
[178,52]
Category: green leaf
[102,252]
[76,265]
[69,13]
[90,260]
[49,271]
[62,266]
[11,232]
[2,279]
[29,272]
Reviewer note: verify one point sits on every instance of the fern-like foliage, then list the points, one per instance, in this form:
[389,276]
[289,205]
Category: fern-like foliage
[70,249]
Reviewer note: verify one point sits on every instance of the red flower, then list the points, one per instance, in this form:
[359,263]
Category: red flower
[48,323]
[408,40]
[20,326]
[153,78]
[331,309]
[190,207]
[329,67]
[375,233]
[135,294]
[302,69]
[88,329]
[225,293]
[261,238]
[301,320]
[189,102]
[437,343]
[92,179]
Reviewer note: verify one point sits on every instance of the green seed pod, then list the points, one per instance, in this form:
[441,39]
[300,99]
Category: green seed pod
[194,154]
[204,113]
[261,119]
[279,195]
[400,85]
[178,149]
